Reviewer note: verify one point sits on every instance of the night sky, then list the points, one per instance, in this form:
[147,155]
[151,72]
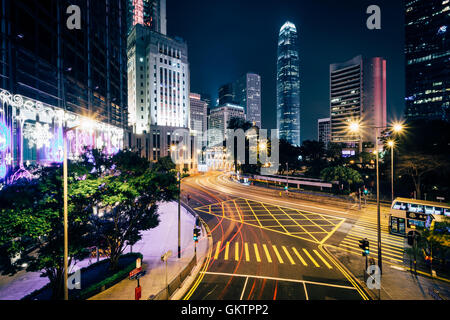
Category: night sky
[229,38]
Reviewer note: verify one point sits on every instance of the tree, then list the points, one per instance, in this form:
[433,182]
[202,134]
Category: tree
[31,216]
[417,166]
[237,123]
[312,150]
[289,154]
[126,201]
[341,174]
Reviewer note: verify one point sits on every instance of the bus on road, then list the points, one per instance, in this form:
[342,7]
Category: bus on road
[408,214]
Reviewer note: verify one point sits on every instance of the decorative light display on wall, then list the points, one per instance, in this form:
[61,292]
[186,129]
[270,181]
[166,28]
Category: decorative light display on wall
[38,135]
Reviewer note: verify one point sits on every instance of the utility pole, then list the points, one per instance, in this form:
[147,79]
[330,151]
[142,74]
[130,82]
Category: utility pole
[179,214]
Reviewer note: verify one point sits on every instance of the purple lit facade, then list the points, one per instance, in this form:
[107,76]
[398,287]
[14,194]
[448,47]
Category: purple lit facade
[32,133]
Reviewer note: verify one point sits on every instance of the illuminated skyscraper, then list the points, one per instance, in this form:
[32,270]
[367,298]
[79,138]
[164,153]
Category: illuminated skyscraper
[288,85]
[357,93]
[427,55]
[150,13]
[247,93]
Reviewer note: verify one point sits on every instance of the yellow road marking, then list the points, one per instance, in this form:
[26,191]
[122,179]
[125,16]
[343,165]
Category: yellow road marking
[323,260]
[253,212]
[236,251]
[275,218]
[216,256]
[332,232]
[247,255]
[267,253]
[355,285]
[237,209]
[277,253]
[299,257]
[311,258]
[288,255]
[298,224]
[258,258]
[227,248]
[396,253]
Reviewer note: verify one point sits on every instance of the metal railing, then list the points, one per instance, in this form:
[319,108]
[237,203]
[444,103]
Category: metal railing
[176,282]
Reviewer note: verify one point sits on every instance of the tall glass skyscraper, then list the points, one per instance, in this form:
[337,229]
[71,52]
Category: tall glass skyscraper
[427,55]
[288,85]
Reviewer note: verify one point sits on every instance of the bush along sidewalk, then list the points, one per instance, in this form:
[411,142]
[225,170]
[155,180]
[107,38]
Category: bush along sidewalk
[94,279]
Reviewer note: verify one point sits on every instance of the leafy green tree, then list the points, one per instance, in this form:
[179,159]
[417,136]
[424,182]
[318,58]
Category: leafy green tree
[31,224]
[342,174]
[126,201]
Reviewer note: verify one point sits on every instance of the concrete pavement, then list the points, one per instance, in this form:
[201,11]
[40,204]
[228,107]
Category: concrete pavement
[153,245]
[397,282]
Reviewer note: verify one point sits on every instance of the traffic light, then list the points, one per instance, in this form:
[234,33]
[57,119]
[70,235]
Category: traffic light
[196,234]
[285,187]
[364,245]
[366,191]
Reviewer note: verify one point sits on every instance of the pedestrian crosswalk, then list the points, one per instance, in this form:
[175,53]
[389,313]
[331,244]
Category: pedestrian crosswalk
[270,253]
[392,246]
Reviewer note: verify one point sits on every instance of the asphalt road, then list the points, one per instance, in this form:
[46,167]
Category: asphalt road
[265,247]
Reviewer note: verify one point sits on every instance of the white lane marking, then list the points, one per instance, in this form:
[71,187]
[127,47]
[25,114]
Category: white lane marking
[306,292]
[243,290]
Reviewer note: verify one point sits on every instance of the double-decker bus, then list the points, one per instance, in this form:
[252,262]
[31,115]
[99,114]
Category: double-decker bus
[408,214]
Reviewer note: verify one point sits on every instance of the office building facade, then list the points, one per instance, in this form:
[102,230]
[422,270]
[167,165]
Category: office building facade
[247,93]
[357,93]
[199,114]
[158,80]
[427,54]
[288,84]
[323,131]
[81,71]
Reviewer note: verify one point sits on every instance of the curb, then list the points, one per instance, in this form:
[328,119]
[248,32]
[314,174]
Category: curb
[181,291]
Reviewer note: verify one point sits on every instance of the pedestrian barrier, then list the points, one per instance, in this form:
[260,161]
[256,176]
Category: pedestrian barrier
[176,283]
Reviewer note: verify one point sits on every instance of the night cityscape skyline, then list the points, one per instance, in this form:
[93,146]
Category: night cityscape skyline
[225,36]
[213,151]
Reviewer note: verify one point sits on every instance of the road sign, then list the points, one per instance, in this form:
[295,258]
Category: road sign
[134,273]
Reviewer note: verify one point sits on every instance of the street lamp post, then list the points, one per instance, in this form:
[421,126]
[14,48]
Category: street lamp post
[391,144]
[287,176]
[179,214]
[87,124]
[355,127]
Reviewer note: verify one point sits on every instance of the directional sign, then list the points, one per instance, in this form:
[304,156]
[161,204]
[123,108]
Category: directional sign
[135,272]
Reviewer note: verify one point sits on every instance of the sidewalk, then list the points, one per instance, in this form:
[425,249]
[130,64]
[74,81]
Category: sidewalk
[153,245]
[397,282]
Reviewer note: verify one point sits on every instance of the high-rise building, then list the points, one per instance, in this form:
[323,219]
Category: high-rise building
[198,109]
[158,80]
[220,117]
[150,13]
[226,94]
[288,84]
[357,93]
[427,56]
[247,93]
[82,71]
[323,130]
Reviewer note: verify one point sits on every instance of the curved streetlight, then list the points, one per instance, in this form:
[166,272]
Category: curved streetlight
[356,127]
